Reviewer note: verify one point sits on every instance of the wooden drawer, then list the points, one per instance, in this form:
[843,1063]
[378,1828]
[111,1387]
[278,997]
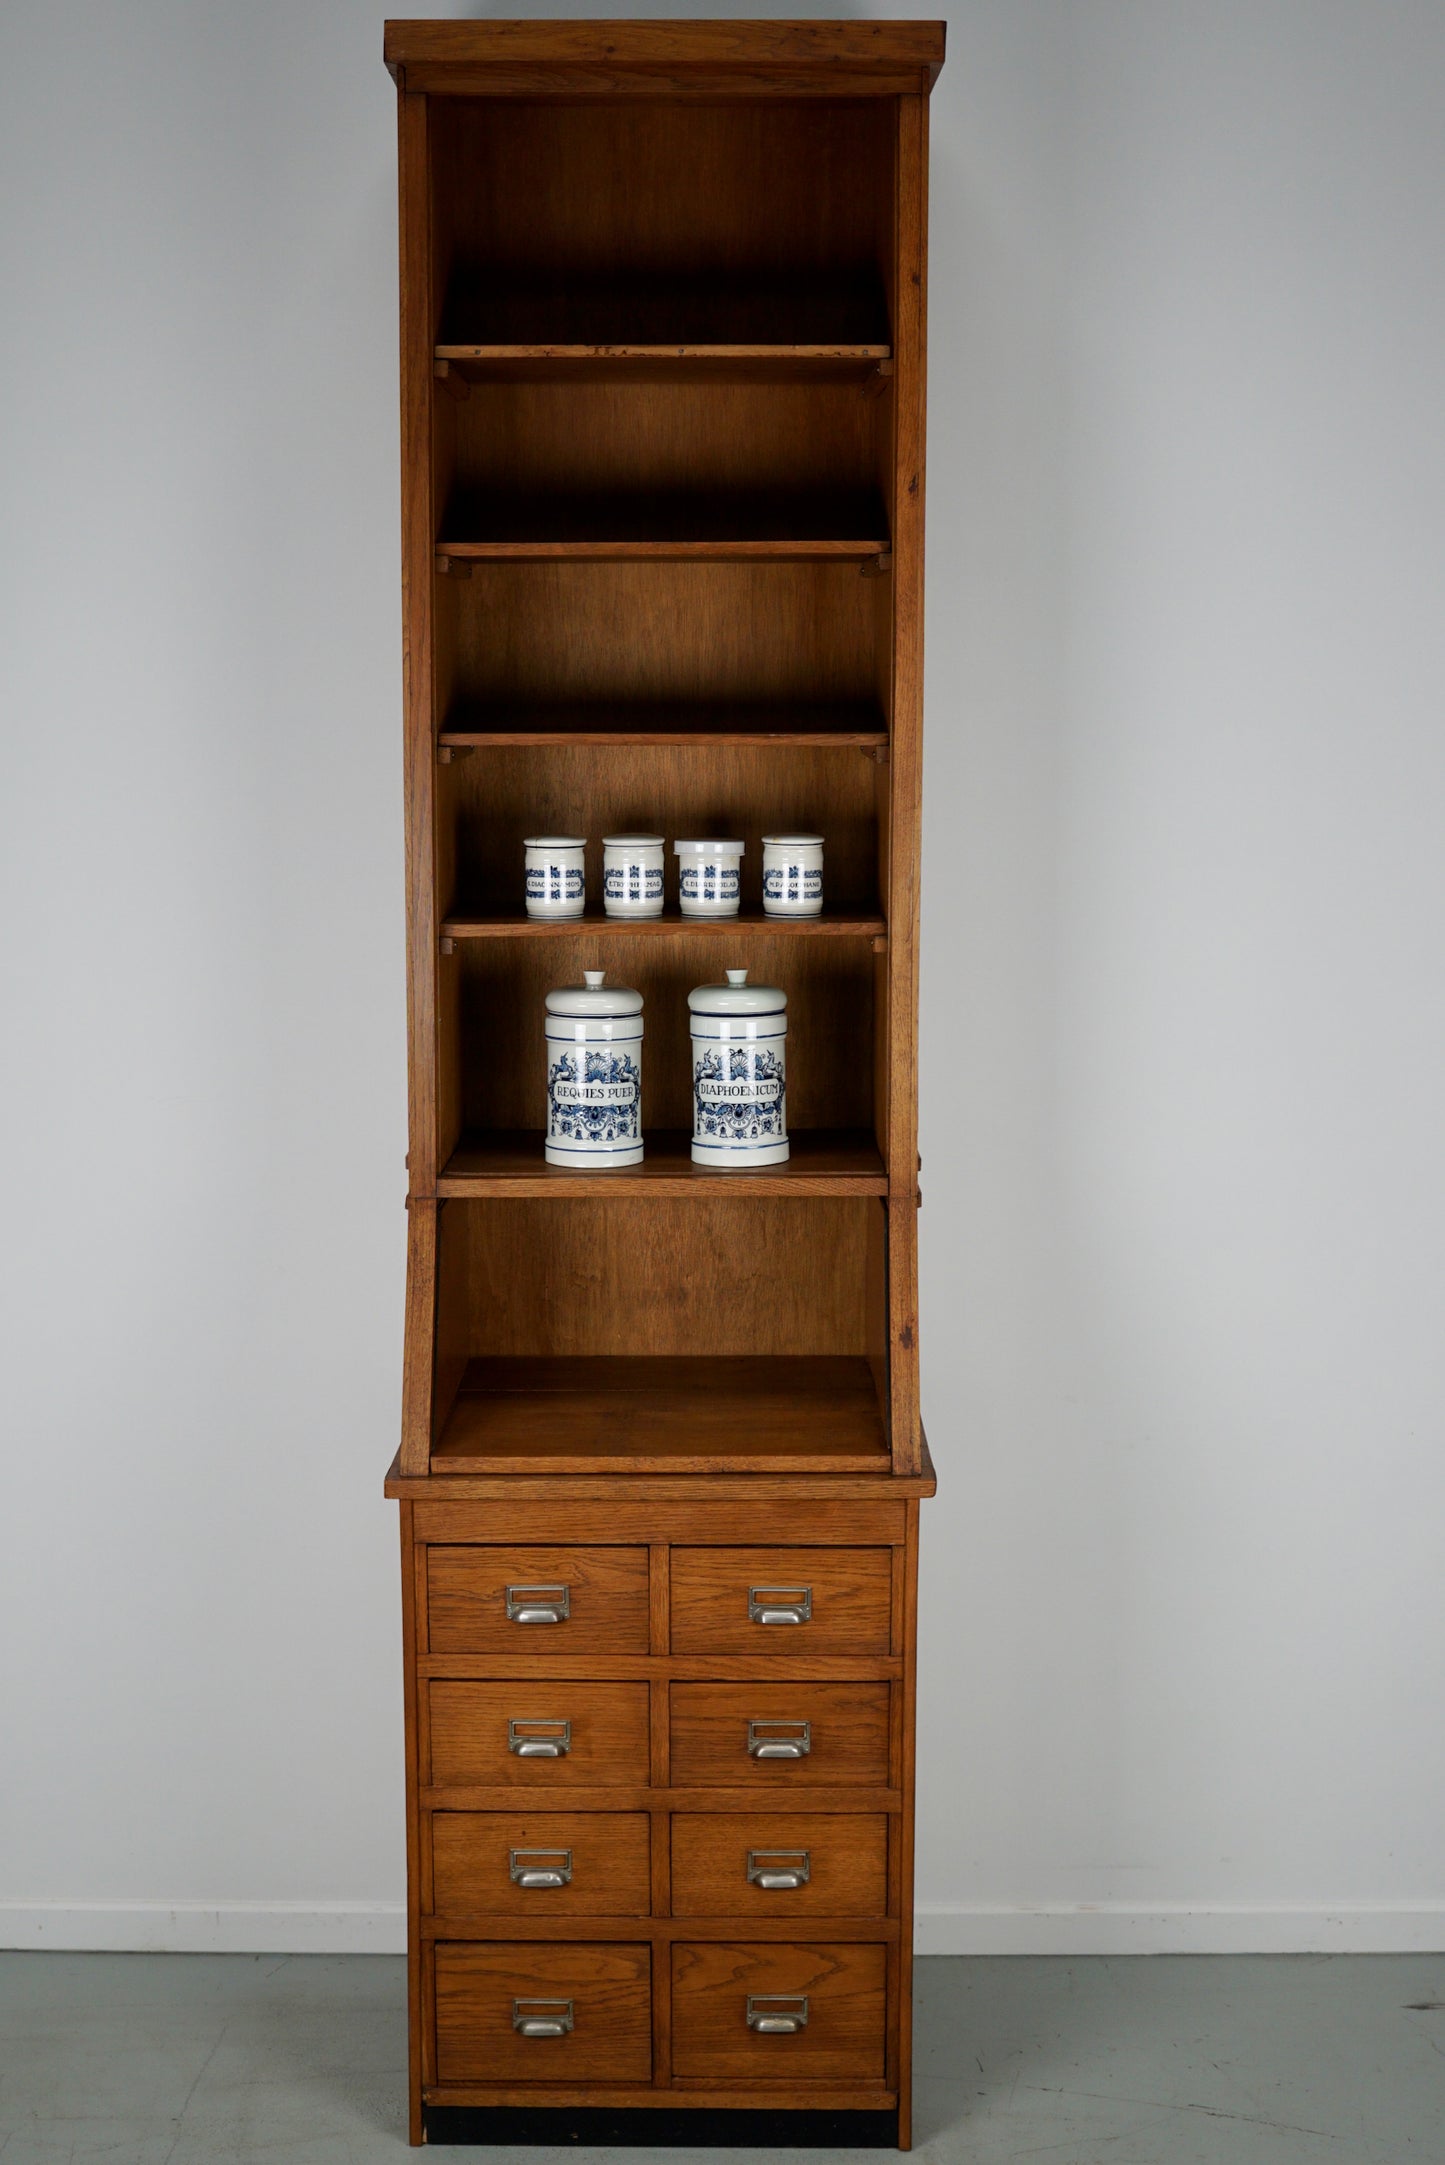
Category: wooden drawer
[609,1988]
[843,2037]
[601,1858]
[712,1725]
[602,1590]
[471,1729]
[737,1601]
[721,1861]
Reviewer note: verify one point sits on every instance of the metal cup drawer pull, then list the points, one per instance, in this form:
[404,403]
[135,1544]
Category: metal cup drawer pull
[542,2018]
[776,1869]
[539,1739]
[779,1739]
[539,1604]
[780,1604]
[778,2014]
[540,1867]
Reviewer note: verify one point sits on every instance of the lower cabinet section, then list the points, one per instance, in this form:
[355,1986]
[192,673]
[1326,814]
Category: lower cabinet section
[778,2013]
[780,1864]
[543,2011]
[541,1865]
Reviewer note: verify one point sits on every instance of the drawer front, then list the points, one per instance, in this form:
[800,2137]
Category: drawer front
[543,1600]
[835,1995]
[597,1996]
[541,1865]
[493,1733]
[780,1864]
[753,1734]
[781,1601]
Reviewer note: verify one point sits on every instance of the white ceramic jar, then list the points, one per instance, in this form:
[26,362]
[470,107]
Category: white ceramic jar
[632,875]
[594,1075]
[709,878]
[792,875]
[739,1073]
[556,875]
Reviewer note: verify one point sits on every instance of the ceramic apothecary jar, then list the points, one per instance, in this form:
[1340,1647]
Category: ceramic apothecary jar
[594,1075]
[632,875]
[739,1073]
[792,875]
[556,875]
[709,878]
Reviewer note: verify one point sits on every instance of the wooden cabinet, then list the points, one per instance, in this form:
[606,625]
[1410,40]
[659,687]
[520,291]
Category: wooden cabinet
[661,1464]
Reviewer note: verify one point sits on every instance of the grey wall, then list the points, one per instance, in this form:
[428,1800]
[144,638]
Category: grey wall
[1183,1022]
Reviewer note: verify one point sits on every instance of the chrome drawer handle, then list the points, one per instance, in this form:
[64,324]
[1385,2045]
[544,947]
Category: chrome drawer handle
[778,2014]
[779,1739]
[542,2018]
[539,1739]
[528,1870]
[780,1604]
[539,1604]
[775,1869]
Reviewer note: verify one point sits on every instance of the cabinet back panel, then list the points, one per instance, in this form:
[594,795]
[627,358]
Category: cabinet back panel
[561,631]
[504,983]
[698,1276]
[493,800]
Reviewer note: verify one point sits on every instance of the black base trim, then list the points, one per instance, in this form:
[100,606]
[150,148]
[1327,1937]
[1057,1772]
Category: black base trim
[673,2127]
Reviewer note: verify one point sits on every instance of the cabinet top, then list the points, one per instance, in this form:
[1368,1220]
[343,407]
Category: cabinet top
[665,59]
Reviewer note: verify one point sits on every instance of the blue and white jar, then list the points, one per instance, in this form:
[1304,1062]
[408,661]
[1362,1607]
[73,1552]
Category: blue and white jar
[792,875]
[632,875]
[556,875]
[739,1073]
[709,878]
[594,1075]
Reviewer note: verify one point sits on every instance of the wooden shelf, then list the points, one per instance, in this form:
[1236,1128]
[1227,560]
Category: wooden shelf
[510,1162]
[844,924]
[704,725]
[459,366]
[794,1413]
[666,526]
[782,317]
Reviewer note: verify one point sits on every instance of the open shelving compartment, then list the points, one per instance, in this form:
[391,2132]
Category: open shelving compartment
[661,447]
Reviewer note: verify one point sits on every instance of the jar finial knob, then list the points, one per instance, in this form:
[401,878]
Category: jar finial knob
[593,979]
[737,977]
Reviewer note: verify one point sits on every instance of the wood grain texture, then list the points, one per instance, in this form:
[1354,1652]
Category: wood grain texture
[606,1592]
[699,725]
[419,1347]
[510,1161]
[416,2011]
[613,1797]
[468,1731]
[904,1833]
[608,1984]
[844,2038]
[848,1592]
[847,1864]
[561,1514]
[487,1491]
[471,1864]
[849,1725]
[842,2098]
[873,59]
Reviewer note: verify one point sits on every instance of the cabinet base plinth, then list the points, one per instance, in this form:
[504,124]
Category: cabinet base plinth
[661,2127]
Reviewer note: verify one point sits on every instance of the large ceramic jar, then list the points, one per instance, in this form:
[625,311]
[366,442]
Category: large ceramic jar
[739,1073]
[594,1075]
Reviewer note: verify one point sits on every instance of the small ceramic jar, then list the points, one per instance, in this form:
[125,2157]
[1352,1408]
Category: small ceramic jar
[739,1073]
[632,875]
[792,875]
[556,875]
[709,878]
[594,1075]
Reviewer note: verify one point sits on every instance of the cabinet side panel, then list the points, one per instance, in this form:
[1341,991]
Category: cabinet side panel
[417,579]
[906,778]
[420,1346]
[414,1994]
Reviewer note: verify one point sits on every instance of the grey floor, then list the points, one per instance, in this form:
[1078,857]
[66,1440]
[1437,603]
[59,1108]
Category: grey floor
[300,2060]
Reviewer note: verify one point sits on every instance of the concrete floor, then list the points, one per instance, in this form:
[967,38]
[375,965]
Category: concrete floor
[300,2060]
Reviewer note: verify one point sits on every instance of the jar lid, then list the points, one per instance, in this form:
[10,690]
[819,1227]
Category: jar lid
[632,841]
[555,841]
[794,841]
[708,849]
[736,997]
[590,998]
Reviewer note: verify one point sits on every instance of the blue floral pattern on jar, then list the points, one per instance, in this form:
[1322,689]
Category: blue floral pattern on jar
[594,1098]
[739,1095]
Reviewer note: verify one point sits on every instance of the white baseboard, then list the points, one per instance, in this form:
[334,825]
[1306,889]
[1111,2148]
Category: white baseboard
[349,1928]
[230,1928]
[1182,1928]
